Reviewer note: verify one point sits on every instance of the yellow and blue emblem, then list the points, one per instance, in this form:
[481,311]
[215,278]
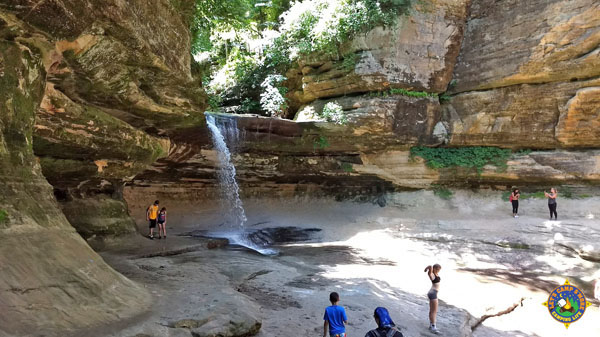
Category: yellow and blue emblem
[566,303]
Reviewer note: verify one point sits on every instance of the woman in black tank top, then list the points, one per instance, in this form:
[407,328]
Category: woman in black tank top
[432,273]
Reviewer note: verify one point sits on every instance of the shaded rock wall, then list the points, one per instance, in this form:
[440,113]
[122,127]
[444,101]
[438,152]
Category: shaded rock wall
[118,79]
[52,282]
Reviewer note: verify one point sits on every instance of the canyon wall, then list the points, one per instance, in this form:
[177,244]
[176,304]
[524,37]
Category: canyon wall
[52,282]
[88,90]
[510,74]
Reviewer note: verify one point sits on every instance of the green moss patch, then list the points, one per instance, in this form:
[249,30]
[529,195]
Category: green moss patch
[466,157]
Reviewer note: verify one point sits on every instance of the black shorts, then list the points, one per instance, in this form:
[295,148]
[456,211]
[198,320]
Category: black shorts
[161,222]
[152,223]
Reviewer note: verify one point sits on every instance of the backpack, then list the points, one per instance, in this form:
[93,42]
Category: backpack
[390,333]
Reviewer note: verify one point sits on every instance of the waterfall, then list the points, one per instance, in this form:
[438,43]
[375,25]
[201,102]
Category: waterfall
[223,132]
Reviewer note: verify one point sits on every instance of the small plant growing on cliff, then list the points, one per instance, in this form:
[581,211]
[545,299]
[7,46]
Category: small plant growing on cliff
[468,157]
[403,92]
[320,143]
[523,152]
[444,98]
[346,167]
[3,216]
[442,192]
[333,112]
[349,62]
[272,98]
[410,93]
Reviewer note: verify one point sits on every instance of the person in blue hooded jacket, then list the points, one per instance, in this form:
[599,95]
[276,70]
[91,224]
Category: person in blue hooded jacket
[385,325]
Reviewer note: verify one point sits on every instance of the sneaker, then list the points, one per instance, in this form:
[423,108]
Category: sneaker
[516,216]
[434,330]
[150,237]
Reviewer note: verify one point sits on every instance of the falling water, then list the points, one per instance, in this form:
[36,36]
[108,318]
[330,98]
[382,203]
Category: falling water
[221,133]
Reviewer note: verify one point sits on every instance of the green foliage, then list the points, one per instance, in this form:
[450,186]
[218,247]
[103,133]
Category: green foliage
[347,167]
[409,93]
[249,105]
[3,216]
[566,192]
[333,112]
[321,25]
[209,18]
[523,152]
[403,92]
[320,143]
[349,62]
[214,102]
[467,157]
[242,42]
[442,192]
[444,98]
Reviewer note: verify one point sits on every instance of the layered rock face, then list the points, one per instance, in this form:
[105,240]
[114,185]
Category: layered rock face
[418,53]
[527,75]
[278,157]
[90,88]
[52,283]
[118,78]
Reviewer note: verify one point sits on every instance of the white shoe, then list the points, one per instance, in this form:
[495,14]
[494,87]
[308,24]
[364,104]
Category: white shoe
[434,330]
[516,216]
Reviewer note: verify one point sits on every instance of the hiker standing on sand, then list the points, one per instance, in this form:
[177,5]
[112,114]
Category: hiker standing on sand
[335,318]
[162,222]
[432,273]
[151,215]
[552,202]
[514,200]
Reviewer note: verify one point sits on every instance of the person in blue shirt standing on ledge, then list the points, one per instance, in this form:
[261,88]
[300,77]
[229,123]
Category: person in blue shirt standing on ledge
[335,318]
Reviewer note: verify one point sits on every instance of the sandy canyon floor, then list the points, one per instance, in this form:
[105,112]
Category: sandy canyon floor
[372,256]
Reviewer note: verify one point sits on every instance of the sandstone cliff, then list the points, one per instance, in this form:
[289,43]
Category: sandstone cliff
[527,76]
[515,75]
[90,88]
[52,282]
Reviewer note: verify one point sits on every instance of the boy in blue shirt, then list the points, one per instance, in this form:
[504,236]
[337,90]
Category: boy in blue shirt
[335,318]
